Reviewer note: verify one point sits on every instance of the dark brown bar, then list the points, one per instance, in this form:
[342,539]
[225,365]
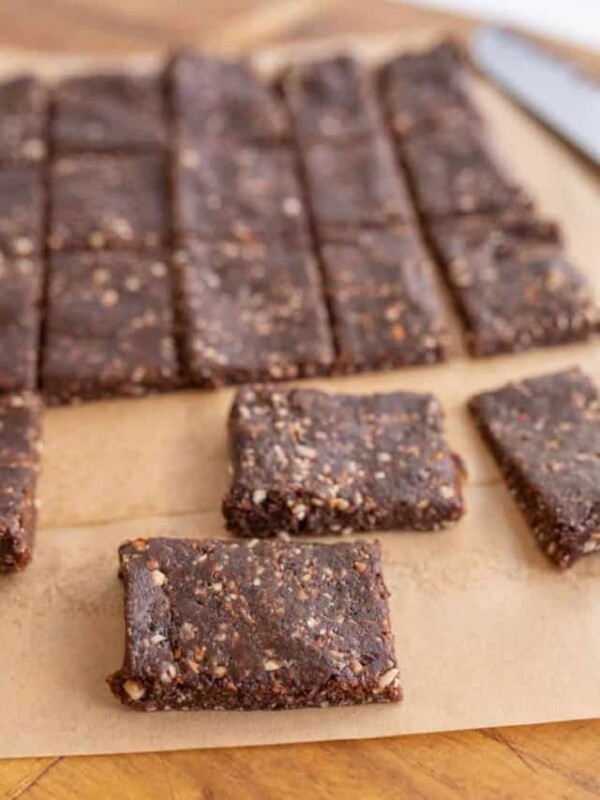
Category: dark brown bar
[20,299]
[23,119]
[22,203]
[545,434]
[251,313]
[384,301]
[223,100]
[512,283]
[20,445]
[331,100]
[306,462]
[109,327]
[109,112]
[264,625]
[108,201]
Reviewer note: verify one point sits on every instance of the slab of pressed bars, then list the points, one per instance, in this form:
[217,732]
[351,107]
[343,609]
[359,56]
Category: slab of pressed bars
[20,422]
[513,283]
[109,326]
[251,312]
[545,435]
[309,462]
[385,307]
[255,625]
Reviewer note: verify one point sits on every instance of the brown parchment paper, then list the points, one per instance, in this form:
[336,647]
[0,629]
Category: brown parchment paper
[487,631]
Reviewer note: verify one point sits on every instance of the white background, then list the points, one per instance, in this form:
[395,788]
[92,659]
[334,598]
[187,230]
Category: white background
[577,20]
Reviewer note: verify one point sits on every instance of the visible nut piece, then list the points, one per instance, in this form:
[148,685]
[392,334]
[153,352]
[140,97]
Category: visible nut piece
[158,577]
[388,677]
[134,690]
[271,665]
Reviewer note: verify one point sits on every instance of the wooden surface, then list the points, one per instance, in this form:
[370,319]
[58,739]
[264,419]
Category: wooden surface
[550,761]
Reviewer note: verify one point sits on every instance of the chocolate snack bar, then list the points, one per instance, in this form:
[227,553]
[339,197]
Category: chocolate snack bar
[20,295]
[257,625]
[23,121]
[307,462]
[545,435]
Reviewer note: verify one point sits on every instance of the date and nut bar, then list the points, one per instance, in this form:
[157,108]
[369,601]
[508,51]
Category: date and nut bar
[307,462]
[20,446]
[256,625]
[545,434]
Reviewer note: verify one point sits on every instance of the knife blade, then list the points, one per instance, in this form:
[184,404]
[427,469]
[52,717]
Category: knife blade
[553,90]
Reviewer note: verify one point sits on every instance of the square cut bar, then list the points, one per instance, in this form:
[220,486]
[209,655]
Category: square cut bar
[109,327]
[246,194]
[24,119]
[223,100]
[22,203]
[353,185]
[425,91]
[332,99]
[512,283]
[109,112]
[251,313]
[20,445]
[21,281]
[255,625]
[457,172]
[545,435]
[306,462]
[108,201]
[384,301]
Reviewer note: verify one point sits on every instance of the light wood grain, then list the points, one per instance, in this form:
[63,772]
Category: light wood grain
[551,761]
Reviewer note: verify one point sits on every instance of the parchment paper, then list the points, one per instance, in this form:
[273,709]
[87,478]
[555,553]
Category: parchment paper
[487,631]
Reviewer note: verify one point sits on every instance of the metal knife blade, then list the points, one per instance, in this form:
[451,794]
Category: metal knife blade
[552,89]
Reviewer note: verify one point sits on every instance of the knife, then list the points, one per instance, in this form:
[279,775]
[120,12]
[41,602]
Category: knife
[553,90]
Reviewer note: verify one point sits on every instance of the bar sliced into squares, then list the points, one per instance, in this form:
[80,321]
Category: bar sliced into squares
[384,301]
[109,112]
[424,92]
[512,283]
[23,122]
[251,313]
[309,462]
[108,201]
[457,172]
[257,625]
[22,203]
[224,100]
[21,282]
[245,194]
[20,445]
[545,435]
[331,99]
[353,185]
[109,326]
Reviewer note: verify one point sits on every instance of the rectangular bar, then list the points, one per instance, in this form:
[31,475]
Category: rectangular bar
[251,313]
[258,625]
[512,283]
[384,302]
[306,462]
[331,99]
[21,282]
[455,171]
[223,100]
[20,445]
[545,435]
[109,327]
[102,201]
[109,112]
[24,119]
[428,91]
[22,206]
[353,185]
[247,194]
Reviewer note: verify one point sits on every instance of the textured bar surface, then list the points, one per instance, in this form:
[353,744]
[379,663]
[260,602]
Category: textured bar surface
[20,445]
[258,625]
[309,462]
[20,296]
[23,121]
[545,435]
[109,327]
